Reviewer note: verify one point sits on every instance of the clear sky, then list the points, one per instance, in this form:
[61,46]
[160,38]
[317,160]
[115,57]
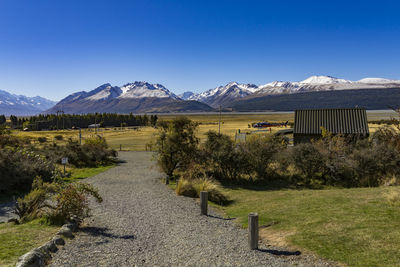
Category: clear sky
[53,48]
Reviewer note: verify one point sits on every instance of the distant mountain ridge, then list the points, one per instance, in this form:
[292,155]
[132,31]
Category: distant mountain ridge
[226,95]
[20,105]
[136,97]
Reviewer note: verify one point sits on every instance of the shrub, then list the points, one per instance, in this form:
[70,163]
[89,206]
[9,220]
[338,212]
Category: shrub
[260,152]
[309,162]
[192,188]
[225,160]
[42,140]
[59,137]
[56,202]
[186,188]
[18,168]
[91,154]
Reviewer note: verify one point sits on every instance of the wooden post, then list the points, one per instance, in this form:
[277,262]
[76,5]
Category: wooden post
[203,202]
[167,180]
[253,230]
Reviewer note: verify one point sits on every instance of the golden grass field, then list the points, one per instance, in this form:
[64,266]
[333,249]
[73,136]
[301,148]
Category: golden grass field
[136,139]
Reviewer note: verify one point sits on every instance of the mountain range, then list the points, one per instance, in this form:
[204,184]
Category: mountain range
[142,97]
[225,95]
[11,104]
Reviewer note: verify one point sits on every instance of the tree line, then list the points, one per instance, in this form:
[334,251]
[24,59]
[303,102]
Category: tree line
[66,121]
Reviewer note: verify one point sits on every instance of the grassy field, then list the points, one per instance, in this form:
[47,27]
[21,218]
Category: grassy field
[136,139]
[358,227]
[16,240]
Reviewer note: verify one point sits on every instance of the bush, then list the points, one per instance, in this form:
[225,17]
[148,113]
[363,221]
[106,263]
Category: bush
[18,168]
[260,152]
[56,202]
[93,153]
[226,162]
[59,137]
[192,188]
[42,140]
[309,162]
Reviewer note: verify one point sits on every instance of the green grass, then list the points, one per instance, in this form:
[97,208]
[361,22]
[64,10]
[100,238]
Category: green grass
[16,240]
[82,173]
[357,227]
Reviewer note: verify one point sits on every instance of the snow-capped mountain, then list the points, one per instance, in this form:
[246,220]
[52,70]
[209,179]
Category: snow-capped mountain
[144,89]
[186,95]
[324,83]
[11,104]
[225,94]
[132,97]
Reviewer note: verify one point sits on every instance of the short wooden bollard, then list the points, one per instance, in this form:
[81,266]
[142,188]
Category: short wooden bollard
[253,230]
[167,180]
[203,202]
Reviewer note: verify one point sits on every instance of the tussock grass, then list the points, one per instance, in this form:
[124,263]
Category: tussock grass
[192,188]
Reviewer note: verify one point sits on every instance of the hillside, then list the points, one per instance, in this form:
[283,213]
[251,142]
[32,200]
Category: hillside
[367,98]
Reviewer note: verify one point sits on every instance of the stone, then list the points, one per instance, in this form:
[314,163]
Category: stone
[58,240]
[66,232]
[33,258]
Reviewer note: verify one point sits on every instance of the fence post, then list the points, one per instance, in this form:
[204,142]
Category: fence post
[203,202]
[253,230]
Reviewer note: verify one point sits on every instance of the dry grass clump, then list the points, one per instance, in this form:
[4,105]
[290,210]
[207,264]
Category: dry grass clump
[393,197]
[192,188]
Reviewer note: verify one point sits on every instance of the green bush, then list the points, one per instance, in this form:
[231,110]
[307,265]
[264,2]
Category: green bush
[225,160]
[56,202]
[42,140]
[18,168]
[59,137]
[91,154]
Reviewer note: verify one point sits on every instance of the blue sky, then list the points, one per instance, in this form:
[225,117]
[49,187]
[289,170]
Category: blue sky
[54,48]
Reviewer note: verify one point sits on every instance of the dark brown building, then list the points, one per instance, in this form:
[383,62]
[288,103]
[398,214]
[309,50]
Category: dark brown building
[350,122]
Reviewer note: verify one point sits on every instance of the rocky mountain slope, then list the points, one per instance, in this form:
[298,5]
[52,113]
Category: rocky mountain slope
[19,105]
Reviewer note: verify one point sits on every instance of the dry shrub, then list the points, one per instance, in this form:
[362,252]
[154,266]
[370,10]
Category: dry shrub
[192,188]
[186,188]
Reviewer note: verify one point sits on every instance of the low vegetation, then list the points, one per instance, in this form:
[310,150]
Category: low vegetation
[327,196]
[356,226]
[18,239]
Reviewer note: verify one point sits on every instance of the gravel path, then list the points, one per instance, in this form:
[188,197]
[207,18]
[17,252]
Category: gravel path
[143,223]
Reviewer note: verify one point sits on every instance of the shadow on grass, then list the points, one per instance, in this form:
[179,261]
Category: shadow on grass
[102,231]
[280,252]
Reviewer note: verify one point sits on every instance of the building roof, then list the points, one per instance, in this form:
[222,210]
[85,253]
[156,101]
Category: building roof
[336,121]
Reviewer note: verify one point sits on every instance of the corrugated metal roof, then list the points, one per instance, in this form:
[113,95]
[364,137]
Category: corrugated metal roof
[344,121]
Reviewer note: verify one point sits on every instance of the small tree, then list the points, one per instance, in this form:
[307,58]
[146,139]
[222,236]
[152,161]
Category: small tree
[176,144]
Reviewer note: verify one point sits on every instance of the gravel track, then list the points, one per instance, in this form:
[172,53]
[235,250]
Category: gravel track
[143,223]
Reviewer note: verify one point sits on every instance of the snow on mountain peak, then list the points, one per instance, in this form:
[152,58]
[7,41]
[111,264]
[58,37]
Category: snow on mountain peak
[145,89]
[324,80]
[377,80]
